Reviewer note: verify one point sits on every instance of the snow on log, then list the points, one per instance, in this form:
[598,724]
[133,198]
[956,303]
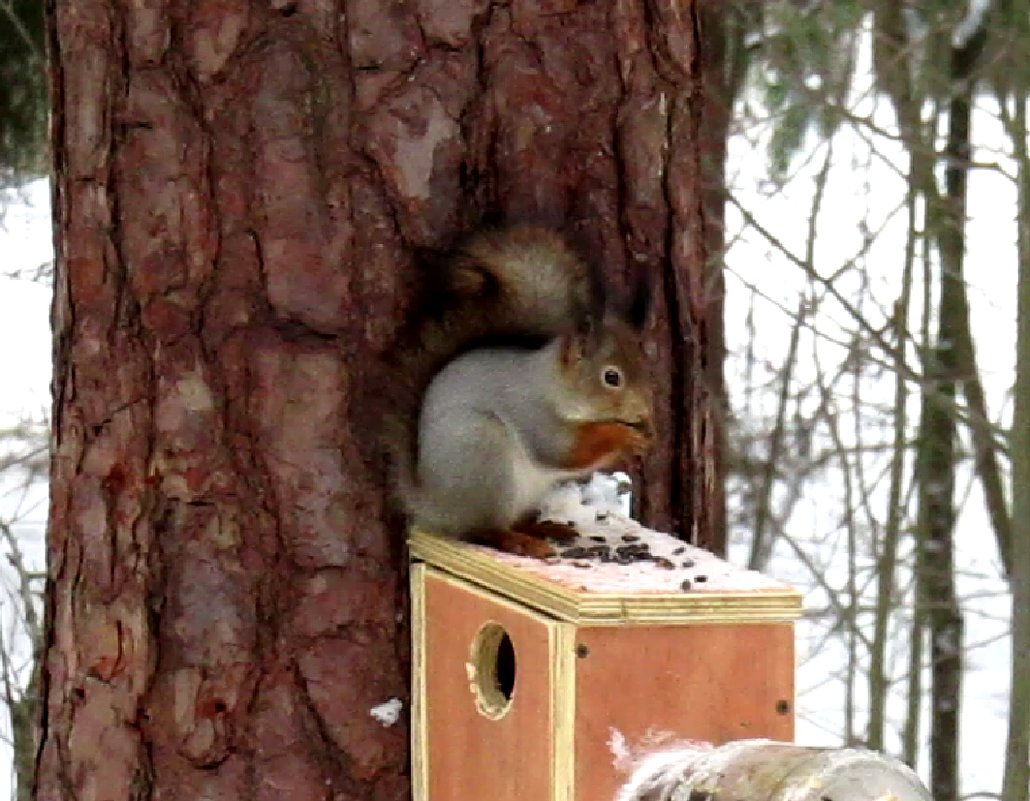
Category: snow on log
[763,770]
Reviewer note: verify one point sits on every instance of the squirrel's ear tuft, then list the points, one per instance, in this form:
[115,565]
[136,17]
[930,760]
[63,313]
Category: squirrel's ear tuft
[468,279]
[590,328]
[579,344]
[571,350]
[640,300]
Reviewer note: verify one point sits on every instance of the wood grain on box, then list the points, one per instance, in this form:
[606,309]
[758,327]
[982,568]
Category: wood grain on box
[615,656]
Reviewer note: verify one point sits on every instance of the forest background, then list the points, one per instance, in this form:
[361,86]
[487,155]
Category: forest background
[877,223]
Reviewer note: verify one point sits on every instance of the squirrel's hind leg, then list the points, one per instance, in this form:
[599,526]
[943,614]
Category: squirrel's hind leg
[546,529]
[527,537]
[515,542]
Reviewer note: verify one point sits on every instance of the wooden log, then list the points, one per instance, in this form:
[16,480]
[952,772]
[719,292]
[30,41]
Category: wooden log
[763,770]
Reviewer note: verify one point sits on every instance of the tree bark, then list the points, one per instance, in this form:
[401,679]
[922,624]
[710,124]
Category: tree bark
[938,439]
[671,125]
[1016,782]
[240,189]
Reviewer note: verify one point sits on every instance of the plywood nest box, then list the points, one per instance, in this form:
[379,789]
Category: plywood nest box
[525,672]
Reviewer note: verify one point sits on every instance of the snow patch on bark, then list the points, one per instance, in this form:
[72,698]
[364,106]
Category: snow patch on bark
[388,712]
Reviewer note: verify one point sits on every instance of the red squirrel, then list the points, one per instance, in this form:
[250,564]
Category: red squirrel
[529,378]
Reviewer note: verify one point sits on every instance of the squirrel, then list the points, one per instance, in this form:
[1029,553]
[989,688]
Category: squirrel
[523,376]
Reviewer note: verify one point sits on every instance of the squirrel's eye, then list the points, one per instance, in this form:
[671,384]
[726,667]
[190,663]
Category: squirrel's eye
[612,377]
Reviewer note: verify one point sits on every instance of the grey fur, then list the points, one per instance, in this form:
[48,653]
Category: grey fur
[486,450]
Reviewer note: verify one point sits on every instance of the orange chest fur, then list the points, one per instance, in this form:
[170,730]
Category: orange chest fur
[599,445]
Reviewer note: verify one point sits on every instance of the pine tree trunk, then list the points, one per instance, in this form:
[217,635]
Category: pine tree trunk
[240,189]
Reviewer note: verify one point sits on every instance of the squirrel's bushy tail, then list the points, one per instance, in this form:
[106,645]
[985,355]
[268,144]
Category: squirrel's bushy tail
[520,285]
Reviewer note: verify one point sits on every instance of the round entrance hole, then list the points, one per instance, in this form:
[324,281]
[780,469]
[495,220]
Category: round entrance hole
[493,664]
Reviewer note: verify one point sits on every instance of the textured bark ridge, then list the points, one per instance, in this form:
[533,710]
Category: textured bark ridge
[240,188]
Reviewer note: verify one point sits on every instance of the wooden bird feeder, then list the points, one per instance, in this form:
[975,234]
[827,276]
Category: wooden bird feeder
[524,671]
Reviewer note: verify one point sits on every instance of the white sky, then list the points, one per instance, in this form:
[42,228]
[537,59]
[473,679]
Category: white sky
[25,242]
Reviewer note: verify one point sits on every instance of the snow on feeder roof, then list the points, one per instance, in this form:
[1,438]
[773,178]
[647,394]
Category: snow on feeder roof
[617,571]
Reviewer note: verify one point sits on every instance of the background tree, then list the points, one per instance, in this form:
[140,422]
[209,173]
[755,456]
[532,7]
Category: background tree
[23,469]
[22,91]
[874,113]
[23,155]
[1011,80]
[240,189]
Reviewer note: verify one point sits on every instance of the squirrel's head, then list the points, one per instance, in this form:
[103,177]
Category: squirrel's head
[605,383]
